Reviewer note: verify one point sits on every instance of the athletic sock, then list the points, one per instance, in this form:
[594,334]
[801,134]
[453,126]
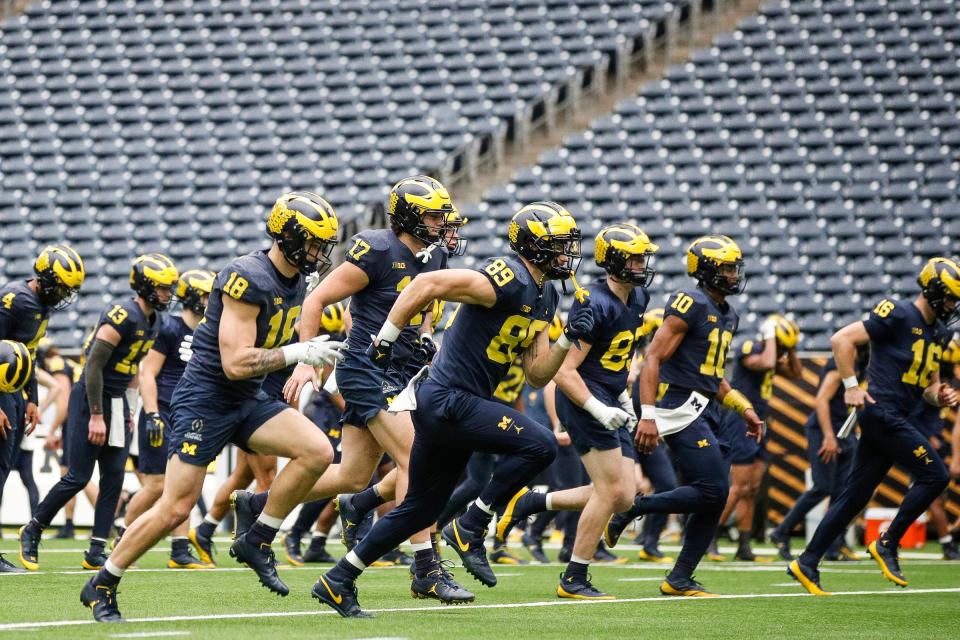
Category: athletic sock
[367,500]
[178,545]
[106,576]
[206,529]
[345,571]
[476,518]
[261,533]
[318,542]
[577,569]
[424,560]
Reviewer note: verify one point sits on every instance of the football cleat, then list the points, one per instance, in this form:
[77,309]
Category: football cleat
[513,513]
[318,553]
[341,596]
[713,553]
[440,585]
[243,515]
[888,561]
[350,520]
[203,546]
[291,549]
[262,561]
[685,587]
[808,577]
[564,554]
[398,558]
[502,555]
[603,555]
[102,600]
[473,555]
[782,543]
[66,532]
[848,554]
[653,555]
[535,547]
[950,551]
[184,560]
[93,559]
[8,567]
[614,529]
[746,554]
[29,548]
[571,587]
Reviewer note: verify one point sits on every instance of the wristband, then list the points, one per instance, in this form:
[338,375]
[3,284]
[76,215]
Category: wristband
[389,332]
[850,382]
[648,412]
[564,342]
[736,401]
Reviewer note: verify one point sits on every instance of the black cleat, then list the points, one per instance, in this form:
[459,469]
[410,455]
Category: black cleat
[469,546]
[262,561]
[951,551]
[243,515]
[350,520]
[398,558]
[291,548]
[93,559]
[440,585]
[318,553]
[66,532]
[888,561]
[183,559]
[782,543]
[535,547]
[564,554]
[341,596]
[517,510]
[29,547]
[685,587]
[575,589]
[618,522]
[604,555]
[8,567]
[808,577]
[102,600]
[203,546]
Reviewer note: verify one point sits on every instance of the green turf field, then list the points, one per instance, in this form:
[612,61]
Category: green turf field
[759,601]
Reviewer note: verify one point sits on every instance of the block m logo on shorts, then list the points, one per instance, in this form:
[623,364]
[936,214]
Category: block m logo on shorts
[189,449]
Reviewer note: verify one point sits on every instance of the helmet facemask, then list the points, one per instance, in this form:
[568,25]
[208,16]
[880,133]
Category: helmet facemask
[939,300]
[54,293]
[304,251]
[547,253]
[713,276]
[619,269]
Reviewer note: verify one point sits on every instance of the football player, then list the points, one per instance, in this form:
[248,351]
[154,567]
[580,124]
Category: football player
[100,412]
[594,406]
[830,457]
[506,306]
[378,266]
[753,371]
[160,371]
[687,355]
[907,339]
[16,372]
[25,309]
[245,334]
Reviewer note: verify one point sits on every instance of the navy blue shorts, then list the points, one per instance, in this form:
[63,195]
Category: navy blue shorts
[204,422]
[365,388]
[153,460]
[586,433]
[742,448]
[13,405]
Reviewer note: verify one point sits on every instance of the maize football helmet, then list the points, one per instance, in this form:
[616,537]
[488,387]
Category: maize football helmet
[787,331]
[16,366]
[939,282]
[542,232]
[60,273]
[331,320]
[304,226]
[150,272]
[717,262]
[415,197]
[616,244]
[192,287]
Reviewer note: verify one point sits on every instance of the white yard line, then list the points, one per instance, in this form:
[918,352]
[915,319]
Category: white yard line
[15,626]
[150,634]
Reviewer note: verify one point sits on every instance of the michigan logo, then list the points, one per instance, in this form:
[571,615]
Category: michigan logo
[920,451]
[506,422]
[189,449]
[703,443]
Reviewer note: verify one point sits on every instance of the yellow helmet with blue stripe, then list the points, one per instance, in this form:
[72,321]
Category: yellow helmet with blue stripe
[456,244]
[193,285]
[415,197]
[717,262]
[543,232]
[16,366]
[305,227]
[652,320]
[150,272]
[786,330]
[60,273]
[939,282]
[555,330]
[332,318]
[617,244]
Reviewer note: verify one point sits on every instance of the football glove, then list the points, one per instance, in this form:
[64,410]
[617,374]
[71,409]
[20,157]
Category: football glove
[611,418]
[579,325]
[186,347]
[316,352]
[155,429]
[626,403]
[380,352]
[424,351]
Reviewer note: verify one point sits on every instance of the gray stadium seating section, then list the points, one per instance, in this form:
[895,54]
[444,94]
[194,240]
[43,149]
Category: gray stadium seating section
[823,136]
[129,125]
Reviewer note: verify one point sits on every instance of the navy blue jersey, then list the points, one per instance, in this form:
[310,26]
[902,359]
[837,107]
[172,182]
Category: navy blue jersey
[535,406]
[137,335]
[58,365]
[23,318]
[510,387]
[698,362]
[251,279]
[481,343]
[390,266]
[172,332]
[757,386]
[904,354]
[616,329]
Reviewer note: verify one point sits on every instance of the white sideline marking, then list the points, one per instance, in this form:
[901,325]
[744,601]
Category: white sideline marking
[149,634]
[15,626]
[647,579]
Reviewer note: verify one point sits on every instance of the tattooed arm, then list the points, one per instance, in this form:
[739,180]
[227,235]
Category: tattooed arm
[238,334]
